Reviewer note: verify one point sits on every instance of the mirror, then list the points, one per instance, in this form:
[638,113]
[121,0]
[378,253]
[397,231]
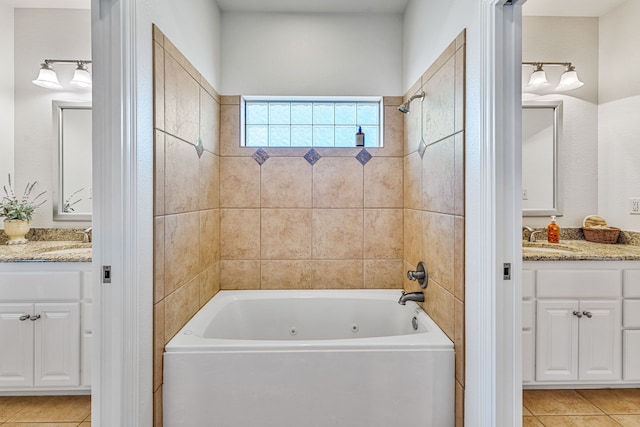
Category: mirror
[72,189]
[541,135]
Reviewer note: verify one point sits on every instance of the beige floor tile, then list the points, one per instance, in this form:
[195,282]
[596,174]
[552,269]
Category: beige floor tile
[529,421]
[53,409]
[614,401]
[558,402]
[526,412]
[73,424]
[627,420]
[578,421]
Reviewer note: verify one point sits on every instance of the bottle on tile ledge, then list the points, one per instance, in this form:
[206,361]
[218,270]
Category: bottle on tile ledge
[360,137]
[553,231]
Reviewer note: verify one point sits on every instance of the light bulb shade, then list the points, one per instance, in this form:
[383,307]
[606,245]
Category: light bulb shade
[81,77]
[47,78]
[569,81]
[537,81]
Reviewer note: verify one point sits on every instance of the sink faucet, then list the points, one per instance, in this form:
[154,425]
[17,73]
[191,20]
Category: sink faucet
[532,233]
[87,235]
[411,296]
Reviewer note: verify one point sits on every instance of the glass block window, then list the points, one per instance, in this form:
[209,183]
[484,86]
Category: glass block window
[311,122]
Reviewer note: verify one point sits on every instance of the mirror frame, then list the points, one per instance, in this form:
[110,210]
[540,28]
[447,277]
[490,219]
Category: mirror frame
[556,105]
[58,201]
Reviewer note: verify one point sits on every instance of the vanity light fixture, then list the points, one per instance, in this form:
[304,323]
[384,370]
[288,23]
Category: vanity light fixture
[538,80]
[48,78]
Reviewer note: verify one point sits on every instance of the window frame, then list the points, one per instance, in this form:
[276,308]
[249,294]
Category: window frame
[312,99]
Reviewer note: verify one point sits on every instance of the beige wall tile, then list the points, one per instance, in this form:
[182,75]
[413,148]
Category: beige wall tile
[337,234]
[438,105]
[179,307]
[239,274]
[412,181]
[459,405]
[209,283]
[337,183]
[158,86]
[230,132]
[439,238]
[459,340]
[458,261]
[157,35]
[458,184]
[158,259]
[239,233]
[182,102]
[172,50]
[413,125]
[286,274]
[413,242]
[440,305]
[157,408]
[158,343]
[393,132]
[438,177]
[209,121]
[229,100]
[285,182]
[459,90]
[461,39]
[383,182]
[209,238]
[383,233]
[182,180]
[440,61]
[239,183]
[383,274]
[210,89]
[285,234]
[209,194]
[337,274]
[182,257]
[393,101]
[158,173]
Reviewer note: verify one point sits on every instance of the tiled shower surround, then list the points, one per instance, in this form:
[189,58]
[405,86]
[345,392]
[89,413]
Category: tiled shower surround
[301,218]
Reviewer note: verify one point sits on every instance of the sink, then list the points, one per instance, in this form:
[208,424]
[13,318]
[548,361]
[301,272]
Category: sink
[543,247]
[548,250]
[70,251]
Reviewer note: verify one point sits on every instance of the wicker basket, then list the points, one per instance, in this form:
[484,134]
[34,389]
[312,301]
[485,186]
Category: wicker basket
[601,235]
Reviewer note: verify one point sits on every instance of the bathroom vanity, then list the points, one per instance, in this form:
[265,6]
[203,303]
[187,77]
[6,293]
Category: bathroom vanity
[581,316]
[45,319]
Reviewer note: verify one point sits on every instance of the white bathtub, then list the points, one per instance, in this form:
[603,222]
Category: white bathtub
[309,358]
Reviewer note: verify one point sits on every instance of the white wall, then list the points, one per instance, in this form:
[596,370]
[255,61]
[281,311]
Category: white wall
[6,92]
[311,54]
[40,34]
[568,39]
[619,127]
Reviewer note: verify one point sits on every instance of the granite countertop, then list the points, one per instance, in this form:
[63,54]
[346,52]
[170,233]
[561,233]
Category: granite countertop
[41,251]
[578,250]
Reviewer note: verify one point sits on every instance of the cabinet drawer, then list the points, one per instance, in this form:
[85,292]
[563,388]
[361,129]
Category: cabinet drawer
[527,314]
[528,283]
[583,284]
[631,314]
[632,283]
[631,361]
[45,286]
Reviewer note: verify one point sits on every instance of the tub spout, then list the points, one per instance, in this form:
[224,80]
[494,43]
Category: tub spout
[411,296]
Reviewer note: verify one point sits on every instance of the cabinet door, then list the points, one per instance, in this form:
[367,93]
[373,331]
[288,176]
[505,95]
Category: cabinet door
[557,340]
[57,345]
[528,356]
[600,340]
[631,351]
[16,355]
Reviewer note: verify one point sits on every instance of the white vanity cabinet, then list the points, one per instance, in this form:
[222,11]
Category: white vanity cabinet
[586,323]
[41,327]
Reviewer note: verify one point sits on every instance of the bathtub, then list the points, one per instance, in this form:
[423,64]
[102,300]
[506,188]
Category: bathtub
[318,358]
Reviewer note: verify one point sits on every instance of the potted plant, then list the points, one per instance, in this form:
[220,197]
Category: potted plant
[17,212]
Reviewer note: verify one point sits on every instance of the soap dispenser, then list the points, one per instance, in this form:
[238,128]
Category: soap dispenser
[553,231]
[360,137]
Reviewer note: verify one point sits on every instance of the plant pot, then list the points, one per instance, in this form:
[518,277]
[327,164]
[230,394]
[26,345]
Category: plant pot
[16,229]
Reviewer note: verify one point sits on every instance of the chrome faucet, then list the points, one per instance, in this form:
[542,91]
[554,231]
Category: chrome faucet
[411,296]
[87,235]
[532,233]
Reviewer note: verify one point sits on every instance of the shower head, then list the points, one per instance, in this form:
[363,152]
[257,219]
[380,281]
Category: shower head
[405,108]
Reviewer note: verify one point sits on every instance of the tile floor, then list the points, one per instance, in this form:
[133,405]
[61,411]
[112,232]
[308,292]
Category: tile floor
[45,411]
[581,408]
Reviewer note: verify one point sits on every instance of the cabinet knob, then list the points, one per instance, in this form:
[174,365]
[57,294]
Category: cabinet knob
[577,313]
[36,317]
[587,313]
[24,317]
